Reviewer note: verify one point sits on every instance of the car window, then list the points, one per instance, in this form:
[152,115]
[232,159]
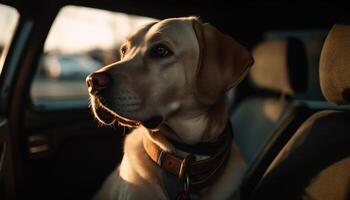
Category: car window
[8,22]
[80,41]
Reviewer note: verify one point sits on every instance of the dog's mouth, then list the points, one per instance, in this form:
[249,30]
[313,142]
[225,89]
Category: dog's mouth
[107,116]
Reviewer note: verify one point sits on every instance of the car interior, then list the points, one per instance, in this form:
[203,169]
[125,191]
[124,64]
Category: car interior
[290,115]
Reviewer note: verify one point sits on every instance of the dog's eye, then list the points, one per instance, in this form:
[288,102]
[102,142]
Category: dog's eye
[160,51]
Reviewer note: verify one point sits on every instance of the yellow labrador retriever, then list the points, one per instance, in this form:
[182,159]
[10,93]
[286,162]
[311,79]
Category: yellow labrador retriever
[170,86]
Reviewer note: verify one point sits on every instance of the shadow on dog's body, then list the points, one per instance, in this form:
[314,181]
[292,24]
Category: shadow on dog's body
[171,79]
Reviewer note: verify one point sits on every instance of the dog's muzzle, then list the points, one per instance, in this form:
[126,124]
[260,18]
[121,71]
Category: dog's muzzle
[98,84]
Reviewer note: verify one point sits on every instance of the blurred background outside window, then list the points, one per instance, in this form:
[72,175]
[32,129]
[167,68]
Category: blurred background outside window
[8,22]
[81,40]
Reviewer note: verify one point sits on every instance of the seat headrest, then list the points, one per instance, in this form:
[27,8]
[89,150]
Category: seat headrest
[280,65]
[335,64]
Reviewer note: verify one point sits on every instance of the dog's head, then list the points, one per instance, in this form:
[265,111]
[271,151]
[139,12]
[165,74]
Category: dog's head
[175,65]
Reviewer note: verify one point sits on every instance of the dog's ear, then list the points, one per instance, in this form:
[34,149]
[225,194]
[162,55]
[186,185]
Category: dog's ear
[223,62]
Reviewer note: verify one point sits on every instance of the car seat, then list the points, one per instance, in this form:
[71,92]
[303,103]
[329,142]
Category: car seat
[315,163]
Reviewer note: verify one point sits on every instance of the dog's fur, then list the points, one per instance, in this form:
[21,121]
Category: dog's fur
[184,88]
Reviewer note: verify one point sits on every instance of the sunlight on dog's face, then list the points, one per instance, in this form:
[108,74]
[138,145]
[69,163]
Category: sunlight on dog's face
[154,77]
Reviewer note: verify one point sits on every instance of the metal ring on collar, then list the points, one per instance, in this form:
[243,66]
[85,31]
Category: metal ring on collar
[184,166]
[186,184]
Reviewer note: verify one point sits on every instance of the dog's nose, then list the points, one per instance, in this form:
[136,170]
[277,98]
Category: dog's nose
[97,81]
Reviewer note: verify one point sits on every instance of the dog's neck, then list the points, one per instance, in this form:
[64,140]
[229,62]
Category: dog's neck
[203,125]
[208,127]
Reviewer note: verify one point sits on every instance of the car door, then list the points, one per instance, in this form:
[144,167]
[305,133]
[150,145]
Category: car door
[59,151]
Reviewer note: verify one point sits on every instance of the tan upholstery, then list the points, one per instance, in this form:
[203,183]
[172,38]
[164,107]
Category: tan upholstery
[280,65]
[338,174]
[335,65]
[314,164]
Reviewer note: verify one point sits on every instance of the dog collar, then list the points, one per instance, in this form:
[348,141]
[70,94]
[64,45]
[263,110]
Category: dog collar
[194,174]
[202,148]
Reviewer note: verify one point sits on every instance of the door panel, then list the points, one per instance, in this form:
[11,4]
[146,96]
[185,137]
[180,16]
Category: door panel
[3,124]
[73,158]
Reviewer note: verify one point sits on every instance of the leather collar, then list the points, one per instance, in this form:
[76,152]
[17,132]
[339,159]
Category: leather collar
[197,173]
[202,148]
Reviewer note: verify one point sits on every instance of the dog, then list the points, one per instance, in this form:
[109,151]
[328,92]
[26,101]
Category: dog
[170,86]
